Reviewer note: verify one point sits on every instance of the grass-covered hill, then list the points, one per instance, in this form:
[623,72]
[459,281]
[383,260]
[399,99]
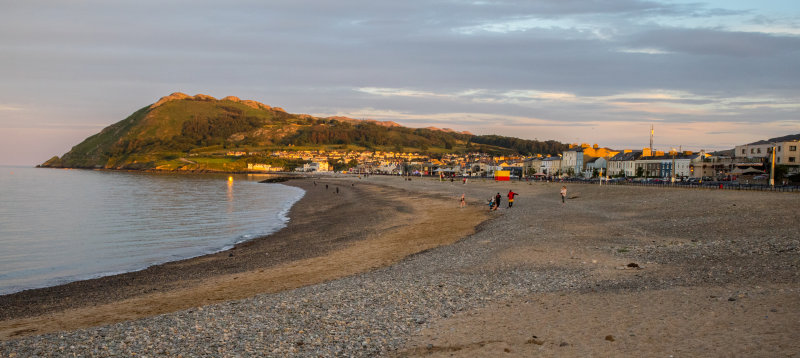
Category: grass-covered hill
[786,138]
[181,132]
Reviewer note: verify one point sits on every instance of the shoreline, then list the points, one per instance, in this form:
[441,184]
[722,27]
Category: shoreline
[242,239]
[614,271]
[318,227]
[99,281]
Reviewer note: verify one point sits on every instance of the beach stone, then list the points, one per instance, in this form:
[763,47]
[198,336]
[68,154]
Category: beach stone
[378,312]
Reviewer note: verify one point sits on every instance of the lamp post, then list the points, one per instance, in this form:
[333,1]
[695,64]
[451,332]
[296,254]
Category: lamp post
[601,174]
[772,169]
[673,167]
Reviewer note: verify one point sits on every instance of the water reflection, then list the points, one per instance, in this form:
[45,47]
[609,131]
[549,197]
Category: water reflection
[230,195]
[61,225]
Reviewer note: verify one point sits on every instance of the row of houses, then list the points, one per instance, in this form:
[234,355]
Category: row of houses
[577,161]
[634,163]
[587,161]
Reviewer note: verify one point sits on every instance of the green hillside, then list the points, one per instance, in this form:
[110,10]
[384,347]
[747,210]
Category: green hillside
[181,132]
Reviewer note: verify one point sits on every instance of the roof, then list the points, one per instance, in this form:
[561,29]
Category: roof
[747,171]
[622,156]
[669,157]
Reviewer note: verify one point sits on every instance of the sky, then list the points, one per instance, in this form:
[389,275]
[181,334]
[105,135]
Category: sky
[706,74]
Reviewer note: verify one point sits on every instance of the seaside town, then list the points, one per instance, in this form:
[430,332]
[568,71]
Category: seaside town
[400,179]
[750,163]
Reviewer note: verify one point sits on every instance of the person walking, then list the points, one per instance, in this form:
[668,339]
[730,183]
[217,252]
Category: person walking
[563,194]
[511,196]
[497,199]
[463,200]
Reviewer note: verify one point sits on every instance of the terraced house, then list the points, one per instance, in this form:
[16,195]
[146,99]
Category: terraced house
[574,159]
[658,164]
[624,163]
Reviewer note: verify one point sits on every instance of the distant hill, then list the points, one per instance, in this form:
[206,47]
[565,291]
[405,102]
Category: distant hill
[786,138]
[182,132]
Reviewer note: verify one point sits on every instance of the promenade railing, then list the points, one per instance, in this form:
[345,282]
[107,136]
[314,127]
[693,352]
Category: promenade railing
[713,185]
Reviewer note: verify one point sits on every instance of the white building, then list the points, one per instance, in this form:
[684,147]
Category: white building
[320,166]
[551,165]
[263,167]
[572,161]
[593,164]
[623,163]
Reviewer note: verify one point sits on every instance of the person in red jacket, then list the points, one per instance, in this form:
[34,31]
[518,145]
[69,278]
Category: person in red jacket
[511,196]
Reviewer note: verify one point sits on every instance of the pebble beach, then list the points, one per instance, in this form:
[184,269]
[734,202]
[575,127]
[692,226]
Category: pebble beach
[615,271]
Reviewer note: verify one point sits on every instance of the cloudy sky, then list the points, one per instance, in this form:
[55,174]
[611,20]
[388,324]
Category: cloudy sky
[707,74]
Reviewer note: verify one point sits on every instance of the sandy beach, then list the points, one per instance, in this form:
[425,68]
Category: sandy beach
[395,267]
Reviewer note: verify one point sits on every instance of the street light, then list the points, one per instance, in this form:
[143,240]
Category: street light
[772,170]
[673,166]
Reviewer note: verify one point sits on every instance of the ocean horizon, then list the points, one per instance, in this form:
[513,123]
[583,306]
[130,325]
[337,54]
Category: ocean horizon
[63,225]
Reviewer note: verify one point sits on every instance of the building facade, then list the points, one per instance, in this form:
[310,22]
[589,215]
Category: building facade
[551,165]
[786,153]
[624,163]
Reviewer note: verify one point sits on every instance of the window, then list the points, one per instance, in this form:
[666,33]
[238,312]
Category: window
[752,150]
[759,150]
[742,150]
[791,159]
[779,148]
[792,148]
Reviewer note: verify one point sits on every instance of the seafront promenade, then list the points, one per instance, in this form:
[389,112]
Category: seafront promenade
[615,271]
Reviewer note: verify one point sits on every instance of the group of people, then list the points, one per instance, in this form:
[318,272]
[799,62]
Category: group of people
[494,202]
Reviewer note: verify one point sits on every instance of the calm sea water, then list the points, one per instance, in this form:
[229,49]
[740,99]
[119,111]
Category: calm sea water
[58,226]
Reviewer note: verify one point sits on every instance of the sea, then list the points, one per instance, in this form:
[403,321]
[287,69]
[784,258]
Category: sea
[64,225]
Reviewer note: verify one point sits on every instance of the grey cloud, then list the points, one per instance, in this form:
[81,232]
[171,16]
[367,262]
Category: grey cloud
[718,42]
[659,100]
[310,56]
